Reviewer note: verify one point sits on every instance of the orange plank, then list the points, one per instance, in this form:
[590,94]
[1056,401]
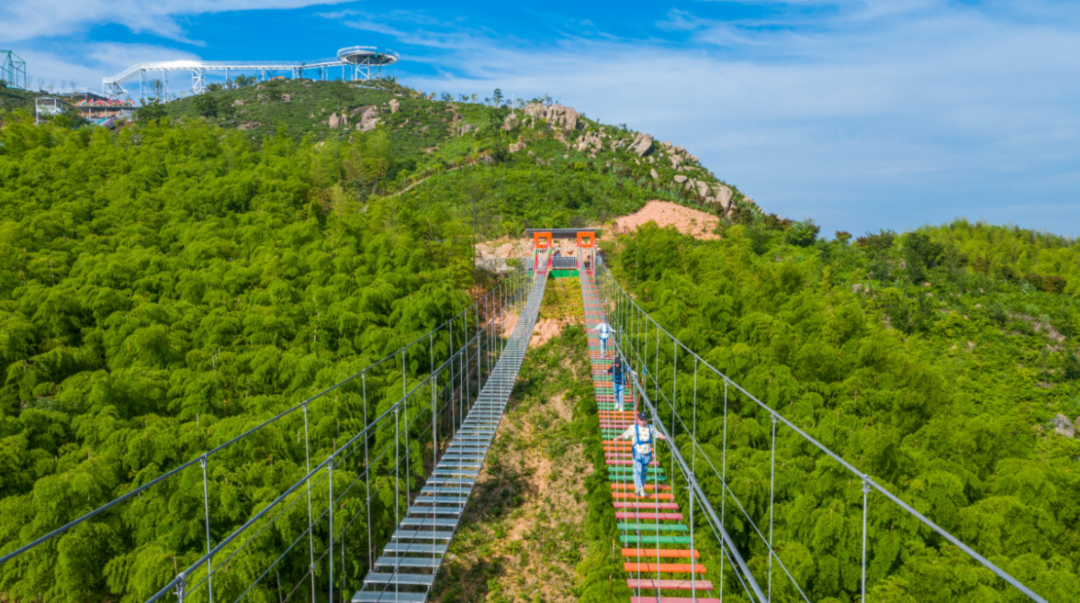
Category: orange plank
[668,553]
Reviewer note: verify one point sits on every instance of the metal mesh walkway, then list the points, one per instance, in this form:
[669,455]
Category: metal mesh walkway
[405,572]
[658,550]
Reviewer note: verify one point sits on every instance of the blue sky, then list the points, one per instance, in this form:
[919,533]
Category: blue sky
[862,115]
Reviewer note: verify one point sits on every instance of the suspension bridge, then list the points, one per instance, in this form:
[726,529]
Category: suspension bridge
[455,382]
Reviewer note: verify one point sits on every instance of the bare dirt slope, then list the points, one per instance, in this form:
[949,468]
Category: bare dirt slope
[693,222]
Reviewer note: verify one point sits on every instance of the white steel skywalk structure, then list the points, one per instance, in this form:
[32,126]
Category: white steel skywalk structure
[356,62]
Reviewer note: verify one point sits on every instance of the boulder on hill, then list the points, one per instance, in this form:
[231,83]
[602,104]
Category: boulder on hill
[1063,426]
[336,121]
[722,195]
[590,140]
[642,144]
[368,119]
[511,122]
[702,188]
[655,176]
[395,106]
[679,178]
[517,146]
[566,117]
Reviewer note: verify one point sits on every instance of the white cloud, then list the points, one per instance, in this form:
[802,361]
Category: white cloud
[27,19]
[900,119]
[95,60]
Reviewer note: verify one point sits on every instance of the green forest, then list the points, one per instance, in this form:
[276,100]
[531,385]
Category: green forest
[170,284]
[936,361]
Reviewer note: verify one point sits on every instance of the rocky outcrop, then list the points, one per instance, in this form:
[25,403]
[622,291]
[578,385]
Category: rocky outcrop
[679,178]
[395,106]
[517,146]
[702,188]
[1063,426]
[590,141]
[643,143]
[336,122]
[466,129]
[555,115]
[512,121]
[654,175]
[722,196]
[369,118]
[248,125]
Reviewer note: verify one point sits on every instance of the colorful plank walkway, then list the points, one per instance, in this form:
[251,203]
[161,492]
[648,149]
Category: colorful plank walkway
[659,559]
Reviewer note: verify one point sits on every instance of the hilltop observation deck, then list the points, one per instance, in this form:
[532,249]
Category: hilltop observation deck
[355,62]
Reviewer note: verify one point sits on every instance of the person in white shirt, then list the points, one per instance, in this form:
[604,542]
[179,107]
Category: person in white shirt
[642,435]
[605,331]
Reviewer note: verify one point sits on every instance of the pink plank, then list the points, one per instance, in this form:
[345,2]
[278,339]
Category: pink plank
[669,584]
[654,516]
[640,505]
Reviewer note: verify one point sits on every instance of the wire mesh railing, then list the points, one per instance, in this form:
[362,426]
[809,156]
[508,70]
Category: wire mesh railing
[739,475]
[375,432]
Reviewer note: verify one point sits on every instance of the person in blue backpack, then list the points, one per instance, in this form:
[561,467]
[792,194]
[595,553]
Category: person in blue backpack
[605,331]
[642,435]
[619,375]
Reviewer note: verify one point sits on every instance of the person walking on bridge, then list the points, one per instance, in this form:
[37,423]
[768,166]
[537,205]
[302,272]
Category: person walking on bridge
[619,376]
[641,435]
[605,331]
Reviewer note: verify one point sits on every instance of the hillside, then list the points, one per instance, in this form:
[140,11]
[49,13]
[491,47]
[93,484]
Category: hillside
[944,362]
[12,99]
[167,286]
[502,168]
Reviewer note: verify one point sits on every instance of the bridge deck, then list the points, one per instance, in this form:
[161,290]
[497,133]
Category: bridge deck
[406,570]
[655,534]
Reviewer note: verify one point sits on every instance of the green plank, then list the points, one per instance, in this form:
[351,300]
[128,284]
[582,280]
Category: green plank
[653,539]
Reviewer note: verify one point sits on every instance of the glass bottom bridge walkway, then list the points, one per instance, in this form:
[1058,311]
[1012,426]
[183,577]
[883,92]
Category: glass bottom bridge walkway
[406,570]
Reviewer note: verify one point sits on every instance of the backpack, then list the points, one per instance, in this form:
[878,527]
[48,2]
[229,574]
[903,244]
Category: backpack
[642,447]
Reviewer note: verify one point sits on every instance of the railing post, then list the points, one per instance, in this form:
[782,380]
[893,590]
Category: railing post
[181,583]
[405,402]
[206,505]
[674,382]
[434,452]
[772,483]
[311,530]
[397,465]
[693,472]
[367,475]
[723,490]
[330,478]
[865,493]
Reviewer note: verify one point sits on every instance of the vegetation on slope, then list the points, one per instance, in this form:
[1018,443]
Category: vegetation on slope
[460,156]
[163,289]
[928,360]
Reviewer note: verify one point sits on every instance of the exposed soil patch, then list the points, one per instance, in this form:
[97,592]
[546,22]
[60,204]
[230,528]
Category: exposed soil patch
[692,222]
[546,329]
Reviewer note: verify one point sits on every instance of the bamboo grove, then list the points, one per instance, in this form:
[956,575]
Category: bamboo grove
[169,287]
